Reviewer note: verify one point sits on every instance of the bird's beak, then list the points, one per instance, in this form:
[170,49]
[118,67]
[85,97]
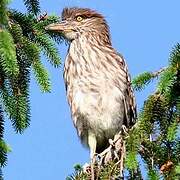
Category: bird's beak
[63,26]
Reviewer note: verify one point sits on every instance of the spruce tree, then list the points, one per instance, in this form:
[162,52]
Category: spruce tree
[22,40]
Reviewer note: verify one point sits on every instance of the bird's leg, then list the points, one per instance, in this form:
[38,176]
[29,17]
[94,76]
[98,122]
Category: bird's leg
[92,145]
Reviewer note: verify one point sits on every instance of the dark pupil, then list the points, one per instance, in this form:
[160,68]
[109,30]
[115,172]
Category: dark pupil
[79,17]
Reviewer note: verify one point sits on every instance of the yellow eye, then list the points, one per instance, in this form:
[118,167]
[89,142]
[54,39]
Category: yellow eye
[79,18]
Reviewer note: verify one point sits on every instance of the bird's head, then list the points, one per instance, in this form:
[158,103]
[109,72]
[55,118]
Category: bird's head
[77,22]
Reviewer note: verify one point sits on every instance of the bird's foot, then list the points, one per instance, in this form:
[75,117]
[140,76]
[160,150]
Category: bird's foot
[124,130]
[90,168]
[115,151]
[86,168]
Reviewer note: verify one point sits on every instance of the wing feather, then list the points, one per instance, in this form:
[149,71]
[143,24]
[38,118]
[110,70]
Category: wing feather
[129,99]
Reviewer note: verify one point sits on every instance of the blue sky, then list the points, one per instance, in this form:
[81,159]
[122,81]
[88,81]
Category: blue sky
[143,31]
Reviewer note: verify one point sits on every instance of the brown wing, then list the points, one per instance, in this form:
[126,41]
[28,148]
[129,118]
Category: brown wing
[129,99]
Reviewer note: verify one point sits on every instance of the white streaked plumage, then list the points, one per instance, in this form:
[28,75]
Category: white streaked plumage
[96,77]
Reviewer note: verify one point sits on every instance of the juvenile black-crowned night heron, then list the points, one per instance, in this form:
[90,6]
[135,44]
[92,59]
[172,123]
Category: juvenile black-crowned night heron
[96,78]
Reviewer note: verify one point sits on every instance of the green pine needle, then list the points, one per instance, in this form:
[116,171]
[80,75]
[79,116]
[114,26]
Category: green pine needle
[140,82]
[48,48]
[20,118]
[8,59]
[3,13]
[175,56]
[172,131]
[167,80]
[42,76]
[4,149]
[24,21]
[177,170]
[17,107]
[33,6]
[153,175]
[131,161]
[1,122]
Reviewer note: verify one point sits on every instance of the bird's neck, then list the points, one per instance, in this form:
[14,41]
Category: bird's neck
[90,41]
[88,55]
[98,37]
[89,49]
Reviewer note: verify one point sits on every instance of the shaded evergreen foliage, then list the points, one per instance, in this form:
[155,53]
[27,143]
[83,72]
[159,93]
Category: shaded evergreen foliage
[22,41]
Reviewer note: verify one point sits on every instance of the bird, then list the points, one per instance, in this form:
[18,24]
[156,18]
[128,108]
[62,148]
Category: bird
[97,81]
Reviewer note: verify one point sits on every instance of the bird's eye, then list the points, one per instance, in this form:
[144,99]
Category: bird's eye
[79,18]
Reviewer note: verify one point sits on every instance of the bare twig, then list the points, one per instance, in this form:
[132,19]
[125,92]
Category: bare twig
[42,17]
[156,73]
[93,160]
[123,154]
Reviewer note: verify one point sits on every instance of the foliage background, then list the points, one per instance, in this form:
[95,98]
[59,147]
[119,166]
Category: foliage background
[144,32]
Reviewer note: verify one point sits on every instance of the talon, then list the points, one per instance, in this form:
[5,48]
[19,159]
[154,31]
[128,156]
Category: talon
[86,168]
[111,142]
[125,130]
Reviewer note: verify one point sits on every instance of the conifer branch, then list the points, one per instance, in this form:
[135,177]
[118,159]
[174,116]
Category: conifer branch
[142,80]
[33,6]
[42,76]
[3,13]
[22,39]
[47,46]
[8,59]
